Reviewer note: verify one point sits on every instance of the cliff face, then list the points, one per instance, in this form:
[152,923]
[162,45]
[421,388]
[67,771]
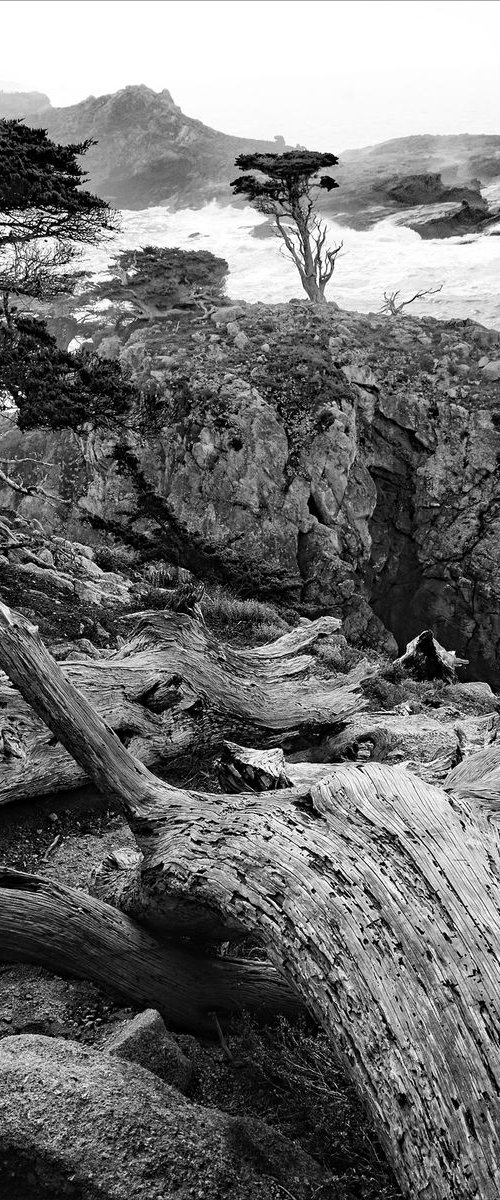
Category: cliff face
[331,459]
[426,170]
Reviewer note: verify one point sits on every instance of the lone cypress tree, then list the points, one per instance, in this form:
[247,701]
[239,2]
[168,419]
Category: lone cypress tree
[287,189]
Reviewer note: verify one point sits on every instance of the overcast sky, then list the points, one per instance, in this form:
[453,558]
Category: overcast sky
[326,73]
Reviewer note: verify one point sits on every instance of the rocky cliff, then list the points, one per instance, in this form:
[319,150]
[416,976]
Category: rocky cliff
[331,460]
[458,161]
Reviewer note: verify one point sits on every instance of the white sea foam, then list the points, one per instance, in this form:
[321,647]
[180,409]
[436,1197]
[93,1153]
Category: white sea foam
[385,258]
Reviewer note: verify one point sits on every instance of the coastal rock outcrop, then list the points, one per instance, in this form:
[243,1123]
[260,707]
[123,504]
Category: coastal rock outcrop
[333,461]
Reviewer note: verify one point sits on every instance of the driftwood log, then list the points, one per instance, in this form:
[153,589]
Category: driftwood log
[70,932]
[174,689]
[379,896]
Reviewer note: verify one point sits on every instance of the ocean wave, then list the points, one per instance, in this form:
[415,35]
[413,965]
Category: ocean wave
[388,257]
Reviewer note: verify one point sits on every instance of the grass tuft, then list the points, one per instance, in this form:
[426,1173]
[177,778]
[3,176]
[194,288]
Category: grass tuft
[235,617]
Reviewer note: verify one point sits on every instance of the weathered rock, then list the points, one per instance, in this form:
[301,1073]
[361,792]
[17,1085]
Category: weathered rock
[226,316]
[78,1123]
[491,370]
[145,1040]
[364,481]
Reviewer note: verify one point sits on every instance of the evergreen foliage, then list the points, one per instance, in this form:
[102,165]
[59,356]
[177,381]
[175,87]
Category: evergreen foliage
[54,388]
[45,214]
[156,279]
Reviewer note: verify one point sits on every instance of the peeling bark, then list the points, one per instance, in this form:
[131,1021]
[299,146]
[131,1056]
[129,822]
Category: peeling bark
[377,893]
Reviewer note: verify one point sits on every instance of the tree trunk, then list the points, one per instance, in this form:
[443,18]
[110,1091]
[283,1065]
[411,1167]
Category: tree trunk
[309,275]
[377,893]
[71,933]
[171,690]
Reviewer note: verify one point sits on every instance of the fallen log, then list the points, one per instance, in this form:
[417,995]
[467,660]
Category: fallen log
[71,933]
[377,893]
[173,688]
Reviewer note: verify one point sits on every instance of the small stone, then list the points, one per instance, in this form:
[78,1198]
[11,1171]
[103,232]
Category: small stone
[46,556]
[222,316]
[241,341]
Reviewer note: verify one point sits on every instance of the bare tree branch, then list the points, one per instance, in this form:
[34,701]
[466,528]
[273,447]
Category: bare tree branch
[34,489]
[393,308]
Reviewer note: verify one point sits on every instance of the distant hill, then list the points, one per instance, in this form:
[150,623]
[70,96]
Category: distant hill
[22,104]
[149,152]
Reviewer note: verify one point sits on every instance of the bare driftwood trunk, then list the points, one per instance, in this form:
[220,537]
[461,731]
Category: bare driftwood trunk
[69,932]
[377,893]
[425,658]
[174,688]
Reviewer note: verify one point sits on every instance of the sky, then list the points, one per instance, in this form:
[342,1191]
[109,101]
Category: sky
[329,74]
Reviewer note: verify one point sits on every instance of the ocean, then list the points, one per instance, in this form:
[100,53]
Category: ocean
[387,257]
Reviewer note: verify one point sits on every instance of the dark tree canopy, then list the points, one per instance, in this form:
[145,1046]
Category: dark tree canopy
[287,187]
[46,216]
[54,388]
[156,279]
[289,175]
[39,177]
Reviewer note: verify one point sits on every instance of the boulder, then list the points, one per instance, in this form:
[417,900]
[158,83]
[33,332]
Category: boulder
[145,1040]
[78,1123]
[491,371]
